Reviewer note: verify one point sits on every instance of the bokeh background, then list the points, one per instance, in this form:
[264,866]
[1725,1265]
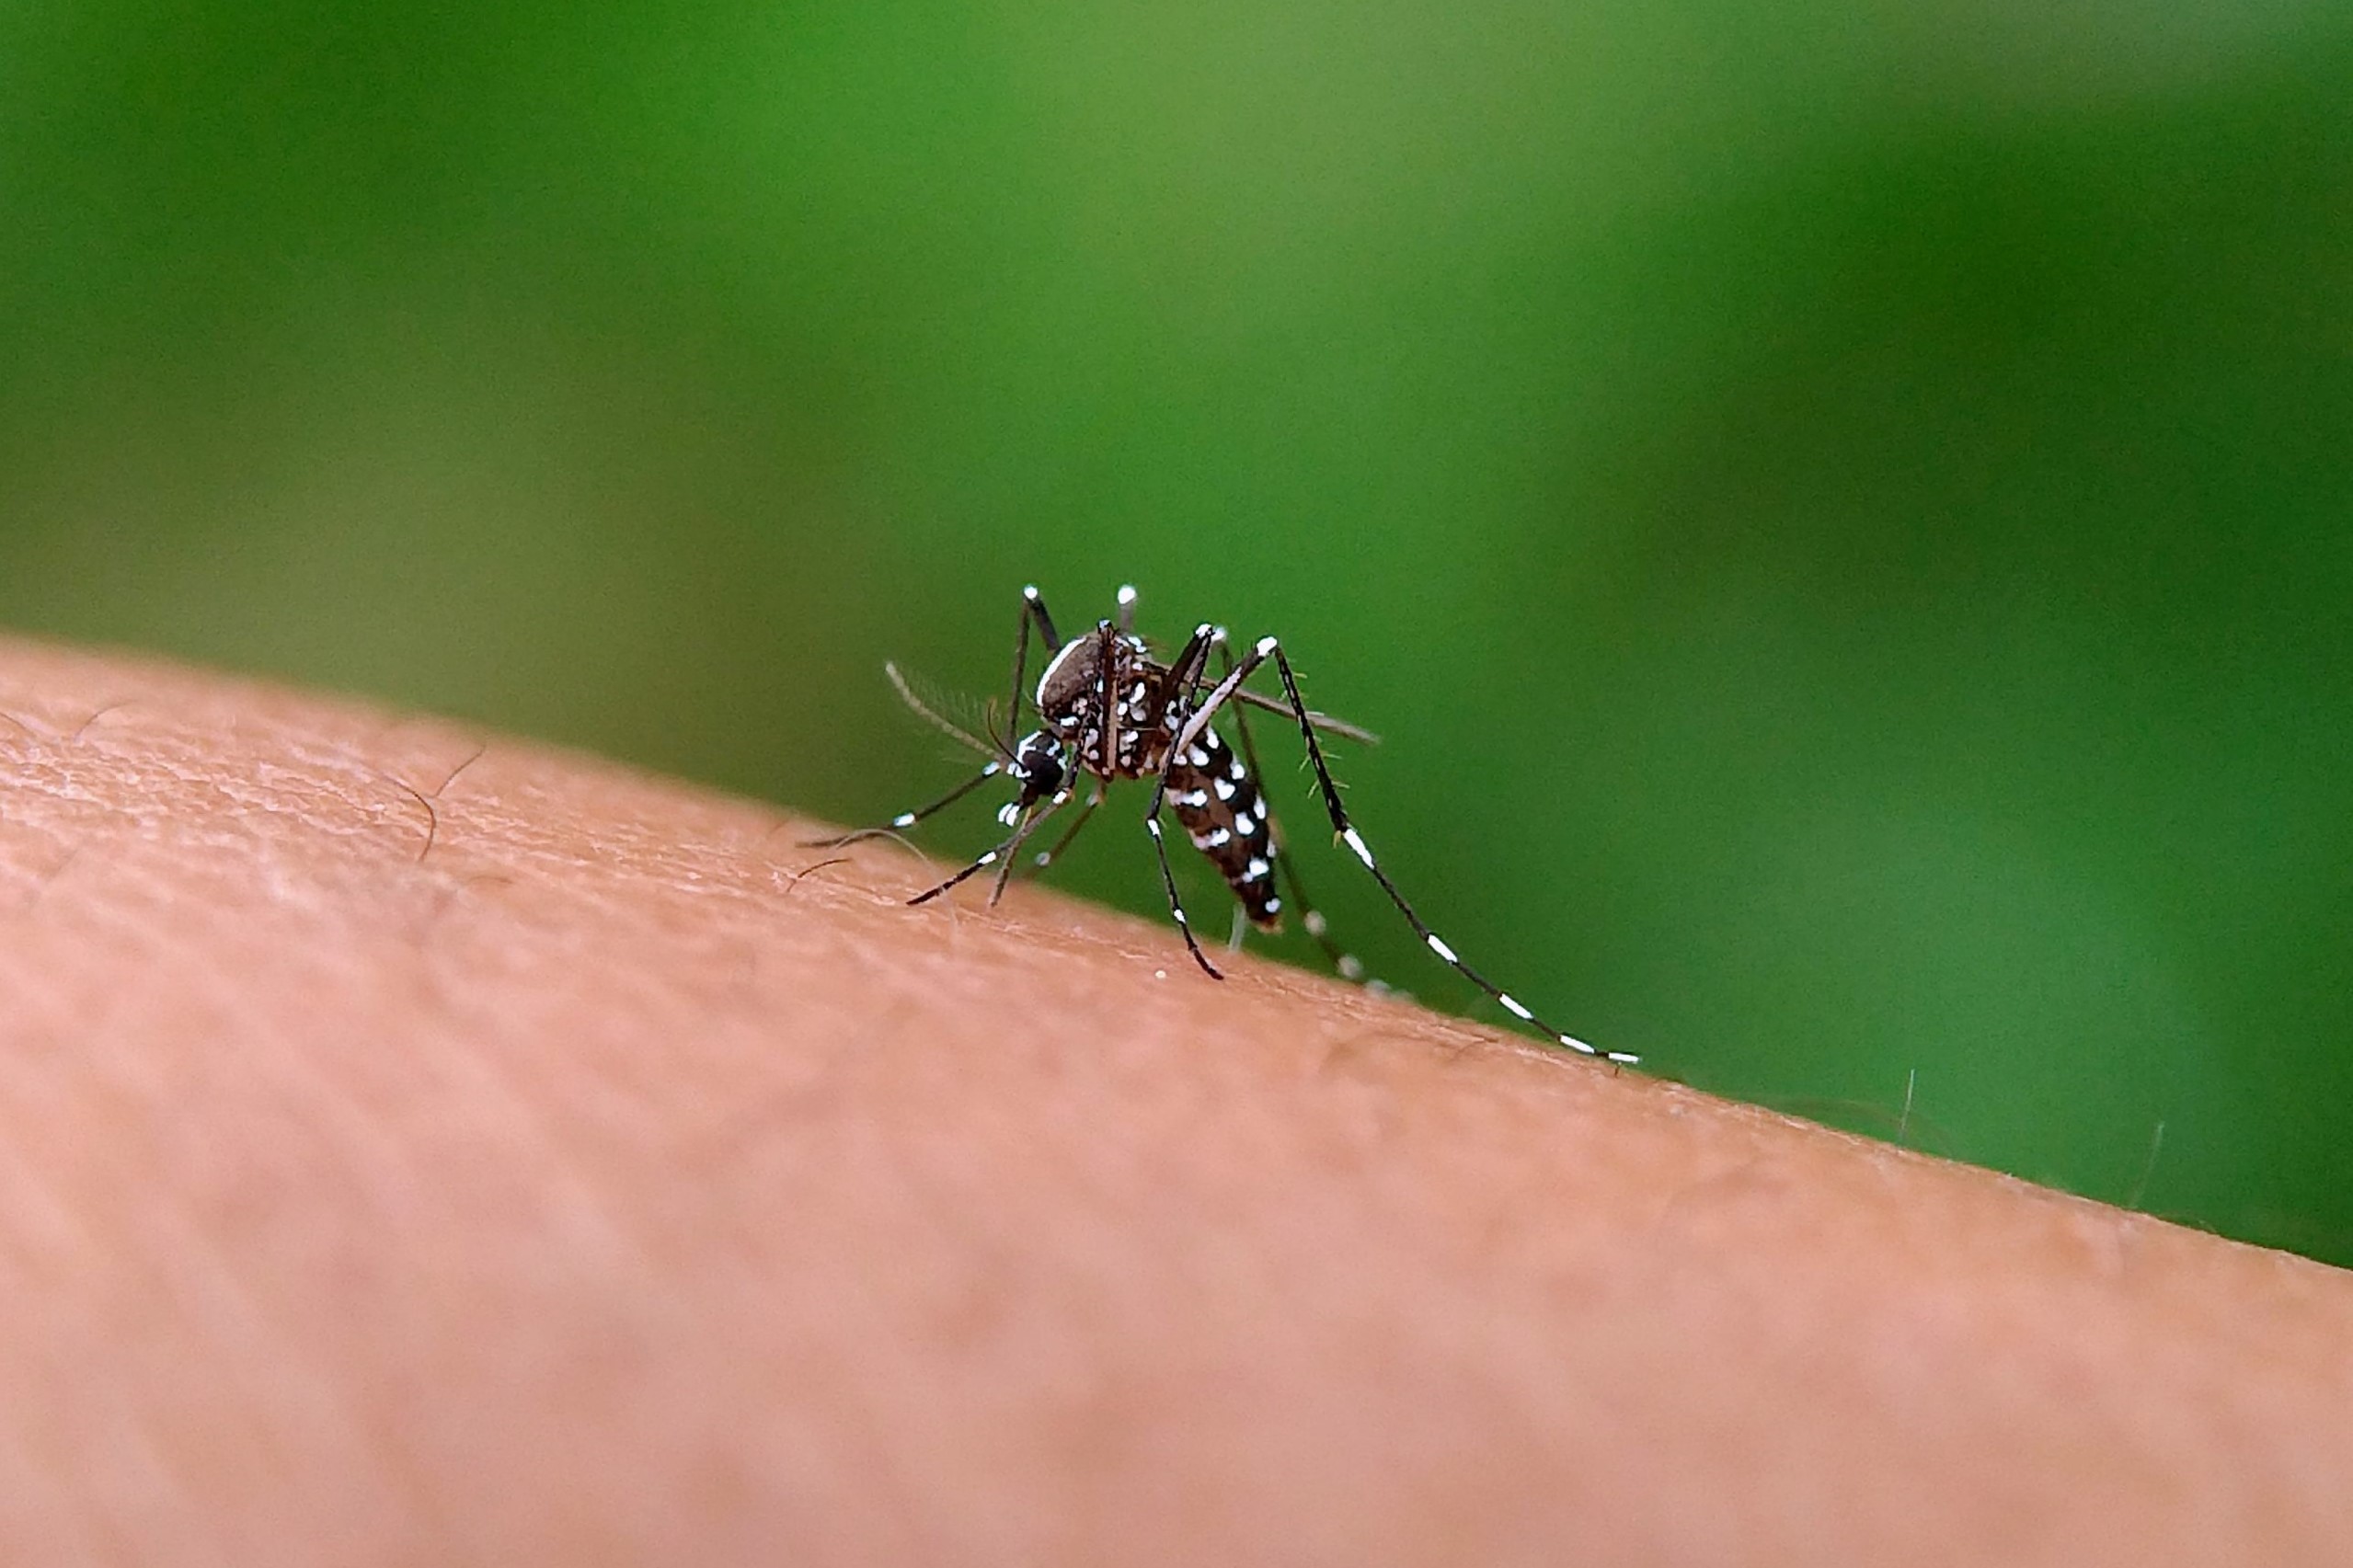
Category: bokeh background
[1840,513]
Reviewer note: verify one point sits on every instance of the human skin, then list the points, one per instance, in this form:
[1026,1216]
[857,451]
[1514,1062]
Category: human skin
[606,1179]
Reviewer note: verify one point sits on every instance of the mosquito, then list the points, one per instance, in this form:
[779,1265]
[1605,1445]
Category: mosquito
[1108,711]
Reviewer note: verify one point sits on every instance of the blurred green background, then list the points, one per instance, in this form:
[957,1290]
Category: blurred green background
[1839,514]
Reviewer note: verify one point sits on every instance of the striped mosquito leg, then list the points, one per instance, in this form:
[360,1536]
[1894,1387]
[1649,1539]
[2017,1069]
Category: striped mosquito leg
[909,819]
[987,860]
[1355,841]
[1311,918]
[1033,611]
[1049,856]
[1001,855]
[1168,877]
[1009,854]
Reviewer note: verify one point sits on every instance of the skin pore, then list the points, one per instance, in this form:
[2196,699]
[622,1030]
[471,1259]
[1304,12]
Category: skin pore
[420,1146]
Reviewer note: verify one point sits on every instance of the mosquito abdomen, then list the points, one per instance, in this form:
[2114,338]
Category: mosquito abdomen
[1218,801]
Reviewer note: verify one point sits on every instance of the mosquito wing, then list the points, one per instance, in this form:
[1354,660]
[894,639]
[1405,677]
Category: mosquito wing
[1324,722]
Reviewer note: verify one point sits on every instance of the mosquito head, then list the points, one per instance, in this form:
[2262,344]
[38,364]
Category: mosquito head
[1038,767]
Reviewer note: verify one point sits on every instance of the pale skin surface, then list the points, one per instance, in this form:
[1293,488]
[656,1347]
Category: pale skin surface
[589,1189]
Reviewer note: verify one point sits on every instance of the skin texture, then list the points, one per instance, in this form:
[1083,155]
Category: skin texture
[604,1184]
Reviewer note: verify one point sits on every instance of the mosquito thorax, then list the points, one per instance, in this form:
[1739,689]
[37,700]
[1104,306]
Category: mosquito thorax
[1069,691]
[1067,687]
